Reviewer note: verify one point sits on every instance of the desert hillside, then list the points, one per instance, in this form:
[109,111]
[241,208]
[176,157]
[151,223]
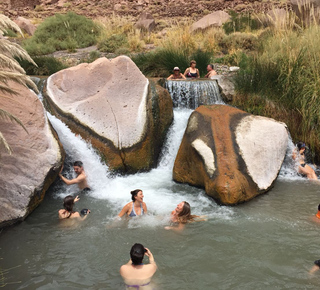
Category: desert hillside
[159,8]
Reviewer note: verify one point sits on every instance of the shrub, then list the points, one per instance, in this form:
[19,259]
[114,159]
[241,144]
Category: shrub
[238,40]
[113,42]
[46,66]
[62,31]
[241,22]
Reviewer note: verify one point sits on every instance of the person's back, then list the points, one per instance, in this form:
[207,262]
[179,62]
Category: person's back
[135,274]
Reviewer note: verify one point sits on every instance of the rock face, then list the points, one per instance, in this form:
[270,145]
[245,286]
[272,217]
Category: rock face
[112,104]
[29,171]
[215,19]
[146,22]
[26,25]
[235,156]
[226,86]
[23,3]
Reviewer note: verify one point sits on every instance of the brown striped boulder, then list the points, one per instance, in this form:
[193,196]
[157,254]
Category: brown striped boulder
[234,155]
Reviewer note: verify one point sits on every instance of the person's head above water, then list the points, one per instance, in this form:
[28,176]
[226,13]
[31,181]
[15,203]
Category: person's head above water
[183,209]
[209,67]
[136,195]
[68,203]
[193,63]
[301,145]
[137,253]
[78,167]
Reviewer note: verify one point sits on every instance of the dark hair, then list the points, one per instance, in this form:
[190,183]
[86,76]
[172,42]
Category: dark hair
[134,193]
[211,65]
[301,145]
[68,203]
[193,61]
[137,254]
[319,207]
[78,163]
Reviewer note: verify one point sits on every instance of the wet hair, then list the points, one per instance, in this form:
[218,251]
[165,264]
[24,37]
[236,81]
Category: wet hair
[185,215]
[134,193]
[211,65]
[137,254]
[78,163]
[319,207]
[301,145]
[68,203]
[193,61]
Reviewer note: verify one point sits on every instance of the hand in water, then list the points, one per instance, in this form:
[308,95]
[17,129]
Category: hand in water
[77,198]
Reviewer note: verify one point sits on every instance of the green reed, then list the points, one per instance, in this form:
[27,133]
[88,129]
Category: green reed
[287,71]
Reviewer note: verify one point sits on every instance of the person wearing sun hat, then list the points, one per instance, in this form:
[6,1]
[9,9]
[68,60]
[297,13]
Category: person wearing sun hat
[177,75]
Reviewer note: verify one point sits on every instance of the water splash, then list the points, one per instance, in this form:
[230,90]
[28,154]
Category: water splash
[161,193]
[192,94]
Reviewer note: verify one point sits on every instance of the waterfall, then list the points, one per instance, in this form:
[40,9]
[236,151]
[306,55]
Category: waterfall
[193,93]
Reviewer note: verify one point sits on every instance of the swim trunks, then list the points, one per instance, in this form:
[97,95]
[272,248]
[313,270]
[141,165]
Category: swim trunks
[137,286]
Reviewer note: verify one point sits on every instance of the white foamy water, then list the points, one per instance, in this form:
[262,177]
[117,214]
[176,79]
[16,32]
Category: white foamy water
[161,193]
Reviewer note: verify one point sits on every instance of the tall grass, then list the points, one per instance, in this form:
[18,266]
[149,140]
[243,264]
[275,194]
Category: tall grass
[287,71]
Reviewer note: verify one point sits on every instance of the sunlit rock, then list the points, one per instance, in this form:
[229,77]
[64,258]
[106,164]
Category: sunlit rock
[235,156]
[215,19]
[114,106]
[33,166]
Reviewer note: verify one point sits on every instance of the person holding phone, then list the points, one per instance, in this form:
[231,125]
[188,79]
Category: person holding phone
[135,273]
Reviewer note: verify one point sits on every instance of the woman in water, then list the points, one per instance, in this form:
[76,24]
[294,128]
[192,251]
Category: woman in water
[136,207]
[177,75]
[182,215]
[135,274]
[67,212]
[304,168]
[192,71]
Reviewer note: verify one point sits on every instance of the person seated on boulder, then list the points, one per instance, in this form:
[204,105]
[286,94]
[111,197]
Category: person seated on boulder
[135,208]
[315,267]
[68,213]
[211,71]
[177,75]
[181,216]
[305,169]
[81,178]
[192,71]
[135,273]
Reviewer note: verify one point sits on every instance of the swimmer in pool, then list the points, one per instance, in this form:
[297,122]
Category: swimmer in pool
[315,267]
[81,178]
[135,273]
[135,208]
[68,213]
[182,215]
[305,169]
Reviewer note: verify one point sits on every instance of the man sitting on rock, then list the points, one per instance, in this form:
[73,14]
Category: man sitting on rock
[81,178]
[211,71]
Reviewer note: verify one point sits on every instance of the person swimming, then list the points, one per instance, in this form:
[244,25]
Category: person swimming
[135,273]
[318,213]
[181,216]
[68,213]
[135,208]
[303,168]
[80,180]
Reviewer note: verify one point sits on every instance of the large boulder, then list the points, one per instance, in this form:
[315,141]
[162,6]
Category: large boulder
[215,19]
[33,166]
[232,154]
[26,25]
[114,106]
